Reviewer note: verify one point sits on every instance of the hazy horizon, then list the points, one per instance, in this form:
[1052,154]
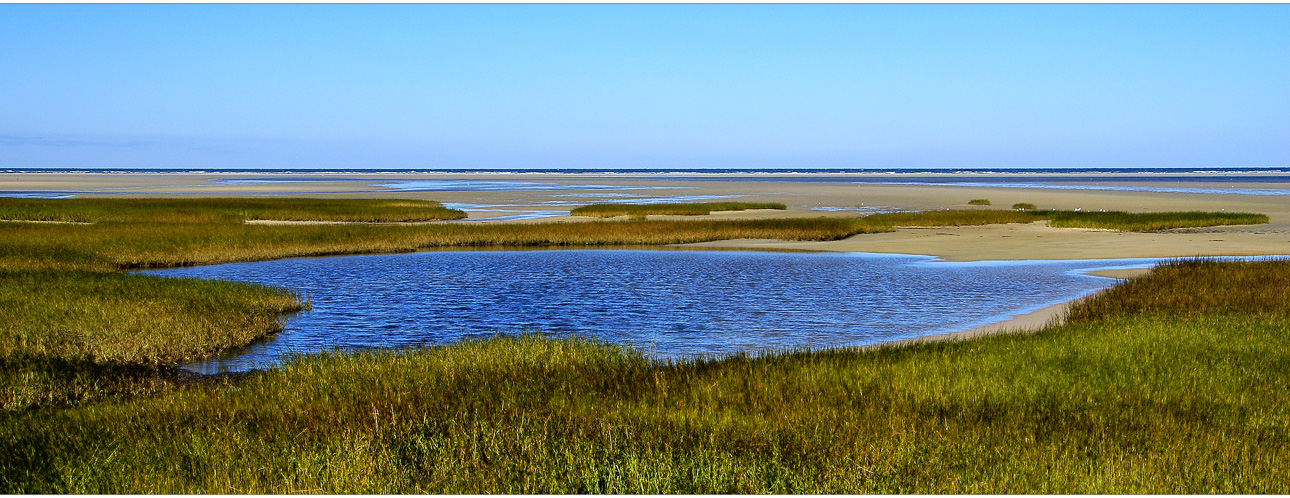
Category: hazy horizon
[644,86]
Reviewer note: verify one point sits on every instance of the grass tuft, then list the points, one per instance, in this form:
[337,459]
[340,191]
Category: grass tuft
[979,202]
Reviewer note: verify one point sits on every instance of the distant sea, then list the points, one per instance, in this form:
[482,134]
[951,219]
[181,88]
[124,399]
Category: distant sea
[1246,174]
[1241,181]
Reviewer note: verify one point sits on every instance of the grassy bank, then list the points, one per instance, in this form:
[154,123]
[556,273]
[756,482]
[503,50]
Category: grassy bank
[1130,396]
[182,232]
[121,245]
[681,209]
[71,336]
[1149,222]
[224,210]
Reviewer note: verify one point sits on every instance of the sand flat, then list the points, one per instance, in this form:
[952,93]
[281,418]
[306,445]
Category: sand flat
[1038,241]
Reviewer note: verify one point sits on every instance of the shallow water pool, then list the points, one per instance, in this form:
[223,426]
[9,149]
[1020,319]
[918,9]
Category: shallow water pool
[672,303]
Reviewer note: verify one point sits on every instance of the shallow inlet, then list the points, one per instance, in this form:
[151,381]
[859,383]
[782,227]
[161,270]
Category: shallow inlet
[671,303]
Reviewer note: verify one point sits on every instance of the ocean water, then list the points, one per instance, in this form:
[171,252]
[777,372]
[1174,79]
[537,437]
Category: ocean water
[671,303]
[1242,181]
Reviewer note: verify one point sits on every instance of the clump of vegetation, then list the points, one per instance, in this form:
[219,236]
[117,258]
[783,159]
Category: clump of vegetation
[1197,287]
[1150,222]
[224,210]
[72,336]
[979,202]
[113,246]
[951,218]
[1128,397]
[640,211]
[1024,206]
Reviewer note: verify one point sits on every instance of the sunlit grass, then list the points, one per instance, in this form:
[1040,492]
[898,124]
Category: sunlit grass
[684,209]
[1130,397]
[116,245]
[1024,206]
[951,218]
[71,336]
[223,210]
[979,202]
[1150,222]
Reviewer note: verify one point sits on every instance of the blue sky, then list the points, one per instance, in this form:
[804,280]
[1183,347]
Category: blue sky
[644,86]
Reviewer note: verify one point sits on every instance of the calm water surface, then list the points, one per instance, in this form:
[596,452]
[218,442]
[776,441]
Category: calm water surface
[673,303]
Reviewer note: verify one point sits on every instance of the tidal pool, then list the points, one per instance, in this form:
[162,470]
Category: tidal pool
[672,303]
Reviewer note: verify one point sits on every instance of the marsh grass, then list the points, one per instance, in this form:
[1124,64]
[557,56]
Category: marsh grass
[106,246]
[951,218]
[979,202]
[223,210]
[73,336]
[1150,222]
[1024,206]
[683,209]
[1127,398]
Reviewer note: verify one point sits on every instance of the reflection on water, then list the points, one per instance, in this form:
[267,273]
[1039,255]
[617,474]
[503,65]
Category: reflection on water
[673,303]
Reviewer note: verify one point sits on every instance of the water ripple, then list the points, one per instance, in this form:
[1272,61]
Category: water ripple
[674,303]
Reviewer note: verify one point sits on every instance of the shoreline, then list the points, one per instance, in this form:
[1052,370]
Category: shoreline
[1051,315]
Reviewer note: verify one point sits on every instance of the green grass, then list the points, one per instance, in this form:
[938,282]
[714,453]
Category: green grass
[1131,396]
[72,336]
[224,210]
[979,202]
[1024,206]
[1150,222]
[684,209]
[106,246]
[951,218]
